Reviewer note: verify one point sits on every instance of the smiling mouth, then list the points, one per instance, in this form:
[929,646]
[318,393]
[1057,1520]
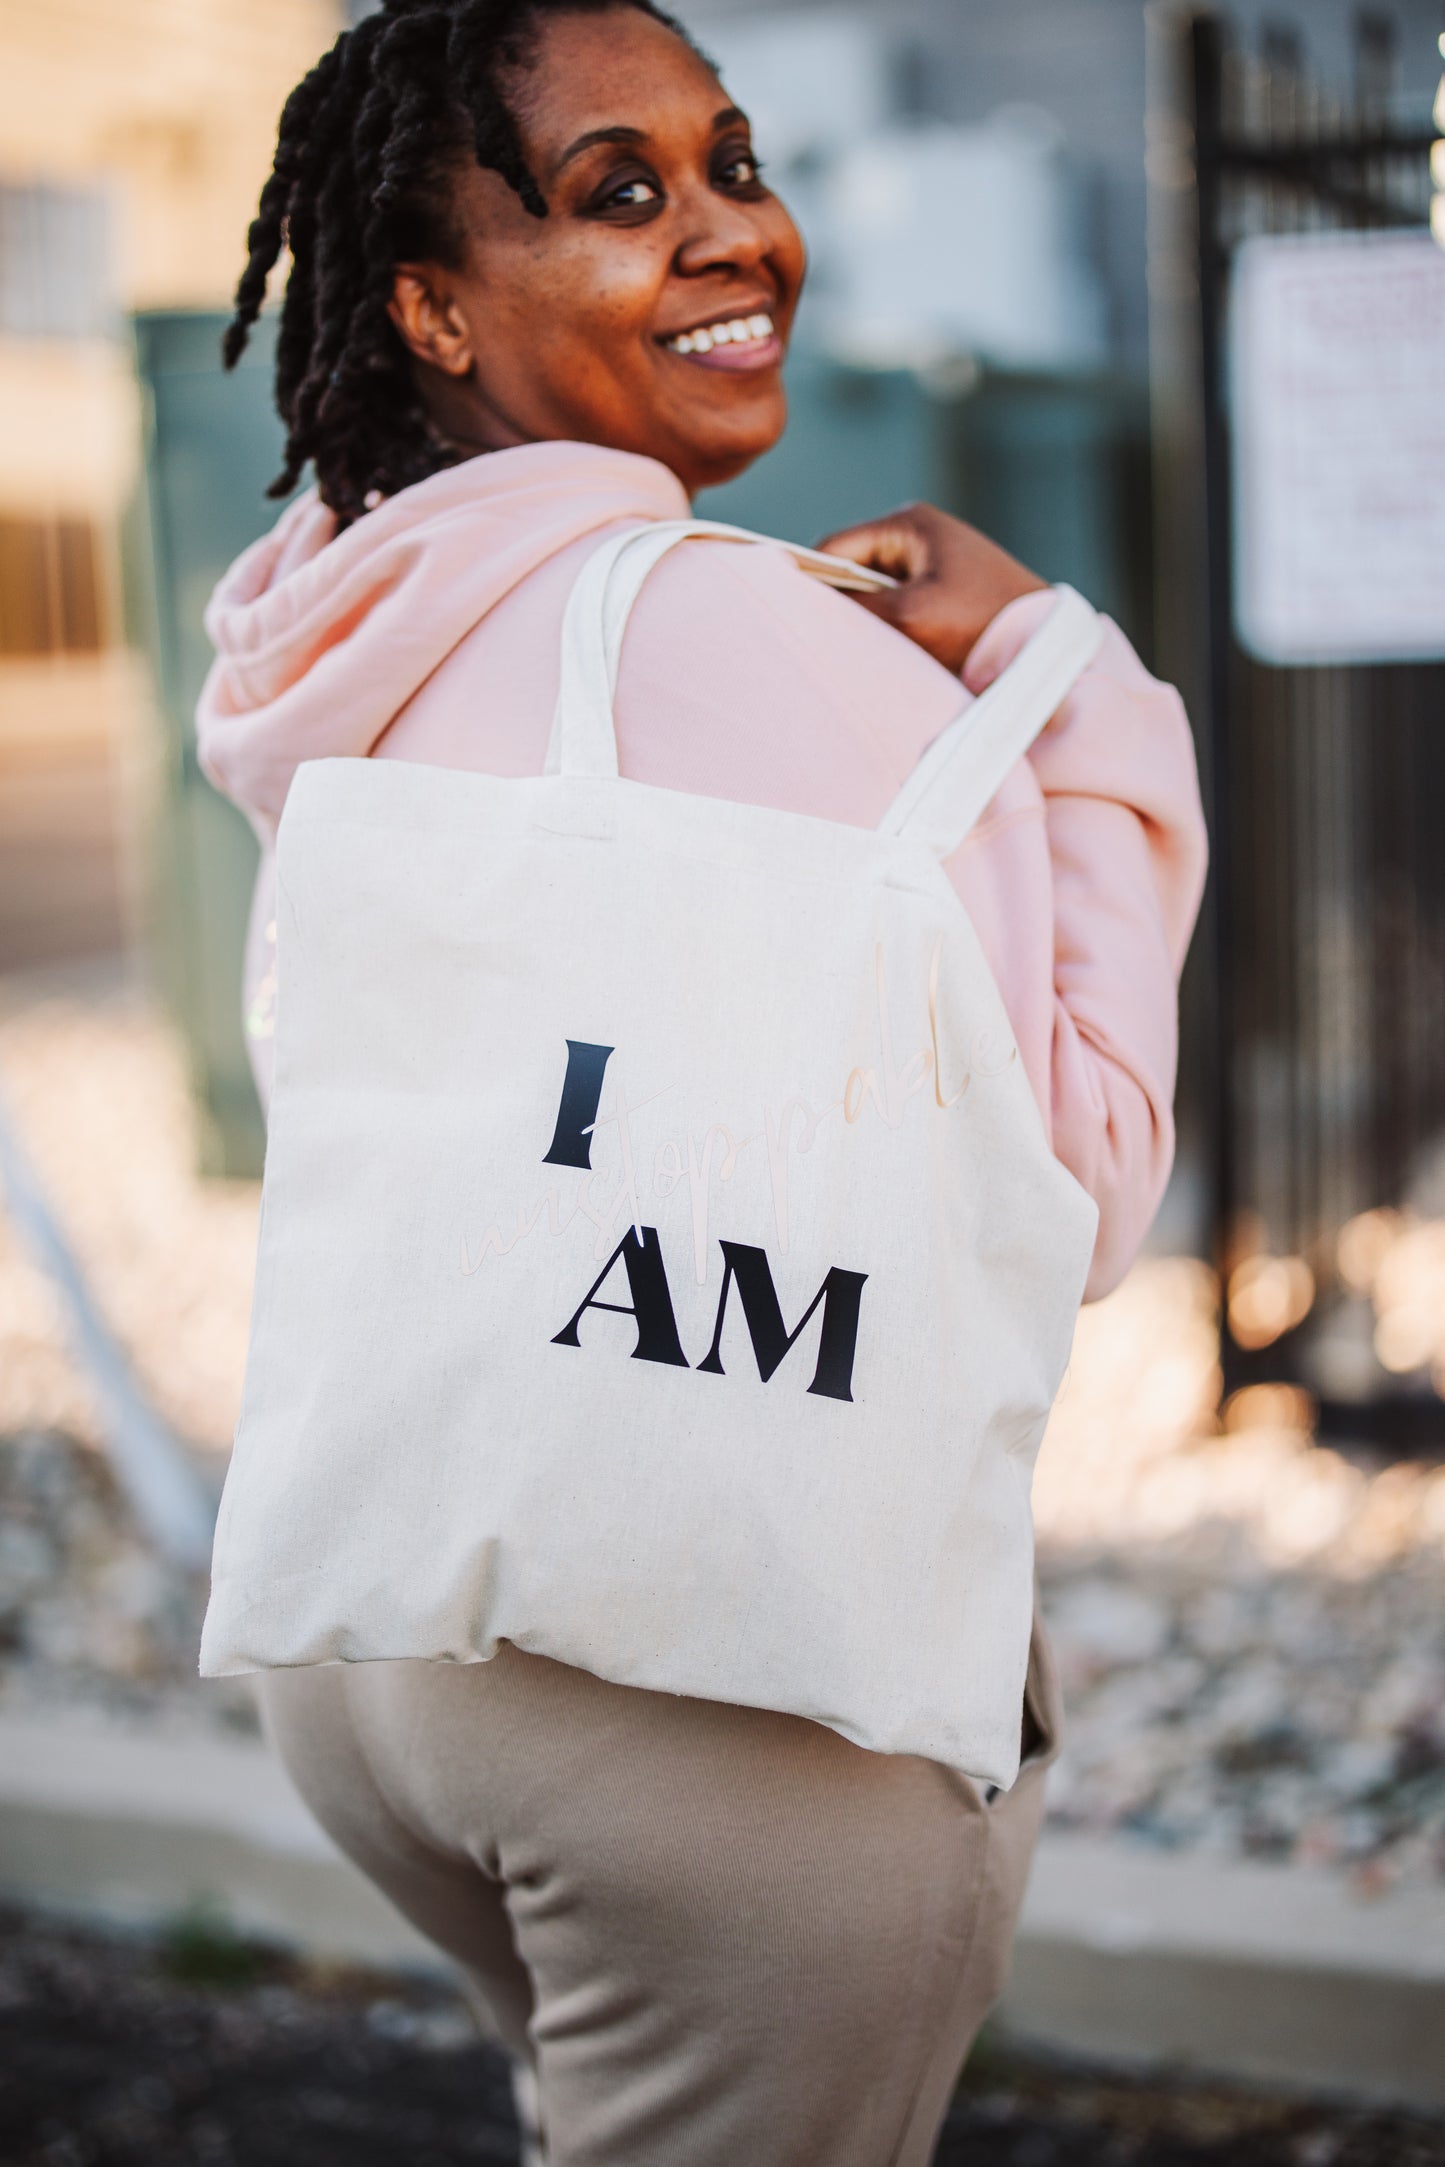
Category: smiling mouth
[735,342]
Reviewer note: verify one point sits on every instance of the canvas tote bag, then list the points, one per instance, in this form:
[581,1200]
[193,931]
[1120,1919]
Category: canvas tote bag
[662,1265]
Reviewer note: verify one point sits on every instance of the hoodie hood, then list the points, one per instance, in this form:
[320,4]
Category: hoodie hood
[321,638]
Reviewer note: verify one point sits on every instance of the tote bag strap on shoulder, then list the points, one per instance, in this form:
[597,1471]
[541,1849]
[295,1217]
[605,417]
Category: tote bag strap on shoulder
[957,775]
[584,736]
[963,767]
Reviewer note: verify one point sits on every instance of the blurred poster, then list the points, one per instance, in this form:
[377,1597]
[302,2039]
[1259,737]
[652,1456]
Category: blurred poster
[1337,383]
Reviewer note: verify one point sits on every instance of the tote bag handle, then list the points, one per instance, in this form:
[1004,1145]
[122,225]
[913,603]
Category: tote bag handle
[958,773]
[584,734]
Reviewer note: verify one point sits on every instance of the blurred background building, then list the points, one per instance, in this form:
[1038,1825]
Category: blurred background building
[131,140]
[1074,72]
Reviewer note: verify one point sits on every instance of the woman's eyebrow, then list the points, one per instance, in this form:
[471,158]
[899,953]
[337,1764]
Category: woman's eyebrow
[620,133]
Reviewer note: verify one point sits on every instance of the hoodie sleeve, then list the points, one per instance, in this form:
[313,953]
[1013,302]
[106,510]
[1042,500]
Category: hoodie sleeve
[1127,855]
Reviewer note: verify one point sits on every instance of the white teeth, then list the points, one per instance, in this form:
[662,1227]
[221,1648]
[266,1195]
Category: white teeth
[737,331]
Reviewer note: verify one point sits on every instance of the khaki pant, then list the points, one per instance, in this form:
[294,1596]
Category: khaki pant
[728,1938]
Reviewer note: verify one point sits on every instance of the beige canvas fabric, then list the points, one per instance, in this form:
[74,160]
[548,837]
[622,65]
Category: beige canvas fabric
[663,1266]
[728,1938]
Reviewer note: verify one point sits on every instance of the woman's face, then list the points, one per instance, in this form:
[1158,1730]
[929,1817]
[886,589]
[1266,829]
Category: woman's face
[650,309]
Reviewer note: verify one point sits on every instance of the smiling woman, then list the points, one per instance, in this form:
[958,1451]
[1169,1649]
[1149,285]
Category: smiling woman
[480,260]
[540,293]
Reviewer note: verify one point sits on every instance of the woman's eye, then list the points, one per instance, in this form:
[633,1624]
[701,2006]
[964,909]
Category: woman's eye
[741,169]
[631,195]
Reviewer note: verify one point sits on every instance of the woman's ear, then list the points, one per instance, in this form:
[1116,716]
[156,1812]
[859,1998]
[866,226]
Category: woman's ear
[424,308]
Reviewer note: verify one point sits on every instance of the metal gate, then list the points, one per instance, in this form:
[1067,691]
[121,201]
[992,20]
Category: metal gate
[1320,1032]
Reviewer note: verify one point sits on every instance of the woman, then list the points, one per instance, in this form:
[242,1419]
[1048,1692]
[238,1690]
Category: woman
[539,290]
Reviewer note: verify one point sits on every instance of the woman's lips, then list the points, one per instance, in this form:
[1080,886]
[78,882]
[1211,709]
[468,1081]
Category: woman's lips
[755,354]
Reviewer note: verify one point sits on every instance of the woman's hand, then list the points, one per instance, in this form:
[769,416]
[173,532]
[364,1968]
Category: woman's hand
[953,580]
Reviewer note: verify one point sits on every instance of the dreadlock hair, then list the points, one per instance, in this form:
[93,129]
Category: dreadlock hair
[366,146]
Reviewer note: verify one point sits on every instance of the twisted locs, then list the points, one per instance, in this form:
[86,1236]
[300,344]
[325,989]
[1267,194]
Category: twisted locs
[365,153]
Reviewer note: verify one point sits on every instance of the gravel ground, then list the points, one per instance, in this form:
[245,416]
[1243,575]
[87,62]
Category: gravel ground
[200,2052]
[1251,1628]
[97,1086]
[91,1621]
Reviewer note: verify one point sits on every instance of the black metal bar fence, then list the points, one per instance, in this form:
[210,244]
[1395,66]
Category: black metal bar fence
[1322,1024]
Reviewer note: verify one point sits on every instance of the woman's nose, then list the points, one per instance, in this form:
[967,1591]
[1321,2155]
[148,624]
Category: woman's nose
[720,234]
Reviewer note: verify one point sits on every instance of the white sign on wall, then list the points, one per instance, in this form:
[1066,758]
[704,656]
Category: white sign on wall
[1337,385]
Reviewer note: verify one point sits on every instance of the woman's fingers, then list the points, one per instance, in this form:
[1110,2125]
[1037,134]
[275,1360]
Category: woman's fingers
[954,580]
[900,544]
[896,544]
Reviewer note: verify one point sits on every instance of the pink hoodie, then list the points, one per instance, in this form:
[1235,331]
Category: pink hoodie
[430,629]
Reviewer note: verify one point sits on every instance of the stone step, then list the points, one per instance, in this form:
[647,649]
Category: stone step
[1283,1976]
